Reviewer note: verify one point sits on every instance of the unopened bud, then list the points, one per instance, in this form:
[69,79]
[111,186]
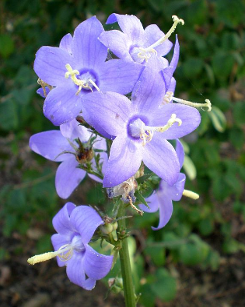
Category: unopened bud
[107,228]
[84,155]
[115,225]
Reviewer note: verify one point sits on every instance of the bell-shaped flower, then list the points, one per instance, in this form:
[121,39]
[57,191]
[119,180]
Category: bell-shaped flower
[146,46]
[78,67]
[140,129]
[69,146]
[75,228]
[162,198]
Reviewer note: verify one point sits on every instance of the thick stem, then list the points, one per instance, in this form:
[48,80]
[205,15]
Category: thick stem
[128,286]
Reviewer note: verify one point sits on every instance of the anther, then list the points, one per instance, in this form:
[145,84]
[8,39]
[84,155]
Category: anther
[80,83]
[207,103]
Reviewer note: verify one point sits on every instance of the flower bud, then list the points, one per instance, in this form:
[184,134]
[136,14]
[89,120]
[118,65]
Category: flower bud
[107,228]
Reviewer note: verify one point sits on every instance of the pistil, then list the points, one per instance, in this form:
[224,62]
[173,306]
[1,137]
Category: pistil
[169,96]
[139,129]
[144,52]
[65,253]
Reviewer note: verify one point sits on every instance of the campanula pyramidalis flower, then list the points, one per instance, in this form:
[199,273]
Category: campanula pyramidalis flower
[75,228]
[146,46]
[162,198]
[70,147]
[140,129]
[78,67]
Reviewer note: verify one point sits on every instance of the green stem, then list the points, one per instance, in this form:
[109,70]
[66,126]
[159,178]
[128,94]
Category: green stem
[128,286]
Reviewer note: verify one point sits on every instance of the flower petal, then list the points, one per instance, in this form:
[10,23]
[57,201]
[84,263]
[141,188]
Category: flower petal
[129,24]
[73,130]
[87,50]
[61,220]
[96,265]
[169,71]
[107,112]
[153,203]
[119,76]
[59,241]
[151,35]
[85,220]
[117,42]
[180,152]
[76,274]
[175,191]
[124,161]
[62,104]
[149,91]
[50,145]
[160,157]
[50,64]
[189,116]
[68,176]
[66,42]
[165,211]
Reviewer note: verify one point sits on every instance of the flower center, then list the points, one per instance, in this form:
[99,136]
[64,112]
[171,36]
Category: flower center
[138,129]
[146,53]
[85,80]
[65,252]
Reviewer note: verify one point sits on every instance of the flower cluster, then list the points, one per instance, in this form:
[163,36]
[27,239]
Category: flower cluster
[107,134]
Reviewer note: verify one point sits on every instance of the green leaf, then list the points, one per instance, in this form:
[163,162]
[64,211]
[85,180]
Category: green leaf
[165,286]
[206,226]
[189,168]
[140,198]
[218,119]
[238,112]
[222,64]
[6,45]
[147,298]
[192,67]
[157,254]
[8,115]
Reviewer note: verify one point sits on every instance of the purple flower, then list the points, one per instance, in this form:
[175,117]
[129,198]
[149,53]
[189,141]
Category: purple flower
[61,146]
[140,129]
[131,43]
[75,227]
[77,68]
[162,198]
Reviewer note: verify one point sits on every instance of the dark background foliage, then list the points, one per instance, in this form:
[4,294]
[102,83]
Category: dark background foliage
[198,258]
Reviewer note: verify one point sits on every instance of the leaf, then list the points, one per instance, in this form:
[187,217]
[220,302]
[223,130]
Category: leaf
[8,115]
[165,286]
[141,199]
[218,119]
[6,45]
[189,168]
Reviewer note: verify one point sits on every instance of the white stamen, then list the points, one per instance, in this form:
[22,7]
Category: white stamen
[144,52]
[65,253]
[207,103]
[190,194]
[139,129]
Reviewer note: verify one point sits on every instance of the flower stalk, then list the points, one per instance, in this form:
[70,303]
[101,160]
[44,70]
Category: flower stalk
[128,287]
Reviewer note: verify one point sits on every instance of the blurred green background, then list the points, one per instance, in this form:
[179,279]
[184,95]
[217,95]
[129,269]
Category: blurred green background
[198,258]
